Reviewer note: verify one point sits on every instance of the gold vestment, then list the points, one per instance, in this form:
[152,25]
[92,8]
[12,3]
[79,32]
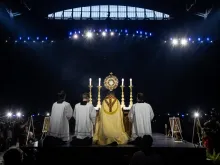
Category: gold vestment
[109,124]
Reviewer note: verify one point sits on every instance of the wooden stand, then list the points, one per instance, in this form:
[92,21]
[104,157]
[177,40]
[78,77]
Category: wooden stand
[176,128]
[45,127]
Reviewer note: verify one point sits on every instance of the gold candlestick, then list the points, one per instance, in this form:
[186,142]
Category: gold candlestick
[90,93]
[131,97]
[99,96]
[122,97]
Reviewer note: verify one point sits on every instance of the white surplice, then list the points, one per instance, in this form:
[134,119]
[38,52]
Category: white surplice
[140,116]
[85,116]
[59,120]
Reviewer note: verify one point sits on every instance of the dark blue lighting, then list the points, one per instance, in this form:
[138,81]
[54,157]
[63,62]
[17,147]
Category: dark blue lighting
[199,39]
[126,31]
[140,32]
[208,39]
[20,38]
[37,38]
[137,32]
[46,38]
[79,32]
[150,34]
[145,33]
[28,38]
[70,33]
[183,115]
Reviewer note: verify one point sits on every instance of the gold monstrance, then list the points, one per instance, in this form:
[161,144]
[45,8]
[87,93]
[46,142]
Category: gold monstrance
[111,82]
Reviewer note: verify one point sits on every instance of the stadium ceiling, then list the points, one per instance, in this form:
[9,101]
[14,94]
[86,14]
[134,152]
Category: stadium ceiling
[173,8]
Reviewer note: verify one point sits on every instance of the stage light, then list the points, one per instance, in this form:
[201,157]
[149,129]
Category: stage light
[6,41]
[211,41]
[70,33]
[199,39]
[137,32]
[16,41]
[18,114]
[89,34]
[100,30]
[112,33]
[175,42]
[52,41]
[46,38]
[196,114]
[126,31]
[103,34]
[75,36]
[168,114]
[24,41]
[208,39]
[183,42]
[126,34]
[9,114]
[28,38]
[42,41]
[183,115]
[33,41]
[93,30]
[48,114]
[150,34]
[133,35]
[145,33]
[106,30]
[190,39]
[37,38]
[140,32]
[165,41]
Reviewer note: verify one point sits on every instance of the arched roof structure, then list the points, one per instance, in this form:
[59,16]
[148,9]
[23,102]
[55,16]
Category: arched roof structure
[113,12]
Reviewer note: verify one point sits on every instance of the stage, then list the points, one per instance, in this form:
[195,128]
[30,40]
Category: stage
[169,151]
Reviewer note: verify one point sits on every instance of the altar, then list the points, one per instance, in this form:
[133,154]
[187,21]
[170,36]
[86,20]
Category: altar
[111,82]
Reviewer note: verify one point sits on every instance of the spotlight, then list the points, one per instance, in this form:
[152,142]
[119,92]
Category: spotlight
[9,114]
[28,38]
[24,41]
[48,114]
[112,33]
[18,114]
[175,42]
[190,39]
[70,33]
[75,36]
[16,41]
[199,39]
[137,32]
[20,38]
[33,41]
[89,34]
[6,41]
[196,114]
[150,34]
[37,38]
[103,34]
[140,32]
[183,42]
[46,38]
[42,41]
[208,39]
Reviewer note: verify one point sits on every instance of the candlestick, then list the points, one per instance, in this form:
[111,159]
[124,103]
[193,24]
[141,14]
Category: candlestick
[90,90]
[130,82]
[122,96]
[131,97]
[99,96]
[99,81]
[90,82]
[122,82]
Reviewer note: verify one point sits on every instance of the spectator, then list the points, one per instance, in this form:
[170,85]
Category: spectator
[13,156]
[145,156]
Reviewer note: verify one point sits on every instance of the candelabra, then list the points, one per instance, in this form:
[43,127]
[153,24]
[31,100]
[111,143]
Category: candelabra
[131,97]
[122,97]
[99,97]
[90,93]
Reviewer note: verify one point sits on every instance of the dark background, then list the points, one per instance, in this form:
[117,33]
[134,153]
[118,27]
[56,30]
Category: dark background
[173,79]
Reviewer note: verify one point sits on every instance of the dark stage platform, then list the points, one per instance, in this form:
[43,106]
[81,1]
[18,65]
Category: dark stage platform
[170,151]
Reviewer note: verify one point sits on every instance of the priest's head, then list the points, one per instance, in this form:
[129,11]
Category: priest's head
[85,97]
[111,93]
[61,96]
[140,97]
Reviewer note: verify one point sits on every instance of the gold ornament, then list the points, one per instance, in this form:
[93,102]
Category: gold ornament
[111,82]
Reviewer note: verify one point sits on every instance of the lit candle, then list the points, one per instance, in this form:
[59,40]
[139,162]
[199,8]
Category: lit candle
[90,82]
[122,82]
[130,82]
[99,81]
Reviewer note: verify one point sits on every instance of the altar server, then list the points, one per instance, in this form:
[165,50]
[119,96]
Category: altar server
[110,126]
[59,120]
[85,117]
[141,115]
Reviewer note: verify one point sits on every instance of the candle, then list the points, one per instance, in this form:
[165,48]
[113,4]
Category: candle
[122,82]
[130,82]
[90,82]
[99,81]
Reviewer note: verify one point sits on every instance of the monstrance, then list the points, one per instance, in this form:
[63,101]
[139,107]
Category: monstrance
[111,82]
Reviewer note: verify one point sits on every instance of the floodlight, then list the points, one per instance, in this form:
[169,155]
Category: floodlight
[89,34]
[18,114]
[183,42]
[9,114]
[196,114]
[175,42]
[75,36]
[103,34]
